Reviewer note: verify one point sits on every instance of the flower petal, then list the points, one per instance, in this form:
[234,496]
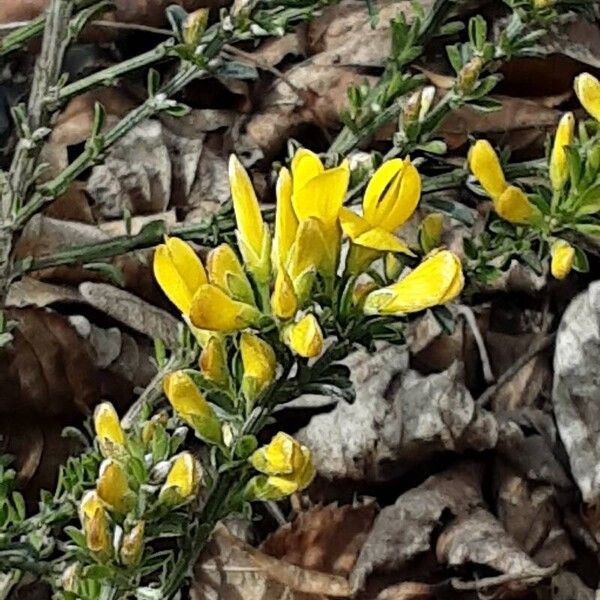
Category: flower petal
[485,166]
[305,338]
[559,162]
[286,223]
[563,255]
[378,238]
[305,166]
[353,225]
[514,206]
[587,88]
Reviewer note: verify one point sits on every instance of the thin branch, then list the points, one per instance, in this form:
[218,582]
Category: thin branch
[488,582]
[467,313]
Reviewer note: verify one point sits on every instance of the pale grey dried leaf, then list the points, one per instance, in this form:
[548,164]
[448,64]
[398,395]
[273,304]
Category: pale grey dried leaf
[576,392]
[479,538]
[579,39]
[397,420]
[403,530]
[273,51]
[33,292]
[568,586]
[131,311]
[517,278]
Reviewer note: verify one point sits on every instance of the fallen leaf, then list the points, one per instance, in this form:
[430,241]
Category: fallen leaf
[407,591]
[404,530]
[568,586]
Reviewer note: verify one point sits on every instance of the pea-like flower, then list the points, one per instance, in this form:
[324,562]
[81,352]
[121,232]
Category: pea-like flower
[284,302]
[559,161]
[183,480]
[95,524]
[213,362]
[305,338]
[133,545]
[287,467]
[390,200]
[259,364]
[254,237]
[109,432]
[192,407]
[179,272]
[563,255]
[226,272]
[113,487]
[510,202]
[437,280]
[587,88]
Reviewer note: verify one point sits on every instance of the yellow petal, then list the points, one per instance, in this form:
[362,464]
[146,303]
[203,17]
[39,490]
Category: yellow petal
[179,272]
[286,223]
[245,204]
[305,338]
[281,456]
[587,88]
[563,255]
[97,533]
[213,309]
[281,487]
[430,231]
[306,474]
[259,364]
[437,280]
[559,163]
[89,503]
[108,428]
[213,362]
[379,239]
[306,256]
[353,225]
[113,488]
[486,168]
[183,479]
[390,202]
[226,272]
[284,302]
[184,396]
[514,206]
[305,166]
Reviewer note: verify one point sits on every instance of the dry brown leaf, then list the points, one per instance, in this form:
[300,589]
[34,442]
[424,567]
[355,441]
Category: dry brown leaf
[403,531]
[406,591]
[325,539]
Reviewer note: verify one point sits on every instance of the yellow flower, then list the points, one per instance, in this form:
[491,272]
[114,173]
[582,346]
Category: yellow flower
[514,206]
[259,363]
[587,88]
[133,545]
[108,429]
[485,166]
[559,162]
[253,233]
[287,465]
[179,272]
[191,406]
[213,309]
[284,301]
[437,280]
[113,488]
[305,338]
[286,223]
[226,272]
[563,255]
[97,533]
[89,503]
[213,362]
[183,480]
[430,232]
[319,193]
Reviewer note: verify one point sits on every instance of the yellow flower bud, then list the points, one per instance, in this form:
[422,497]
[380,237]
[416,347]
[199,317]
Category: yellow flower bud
[133,545]
[253,234]
[259,363]
[179,272]
[437,280]
[213,309]
[485,166]
[226,272]
[430,232]
[514,206]
[469,74]
[213,362]
[305,338]
[559,162]
[183,480]
[191,406]
[563,255]
[361,291]
[194,26]
[284,302]
[113,488]
[286,223]
[587,88]
[89,503]
[109,432]
[97,533]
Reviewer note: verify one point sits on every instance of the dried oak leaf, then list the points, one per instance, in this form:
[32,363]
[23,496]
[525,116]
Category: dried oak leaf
[399,419]
[576,391]
[404,530]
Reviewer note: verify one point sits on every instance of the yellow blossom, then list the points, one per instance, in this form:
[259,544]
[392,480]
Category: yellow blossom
[287,465]
[214,310]
[305,338]
[437,280]
[133,545]
[253,233]
[109,432]
[430,232]
[284,301]
[183,480]
[213,362]
[97,533]
[587,88]
[191,406]
[563,255]
[286,223]
[113,488]
[514,206]
[179,272]
[259,364]
[88,505]
[559,162]
[226,272]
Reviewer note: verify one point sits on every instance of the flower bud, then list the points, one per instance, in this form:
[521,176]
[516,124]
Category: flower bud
[133,545]
[587,88]
[213,362]
[194,26]
[361,291]
[563,255]
[486,168]
[259,363]
[113,488]
[305,338]
[109,432]
[392,266]
[469,74]
[97,533]
[182,481]
[226,272]
[430,232]
[514,206]
[284,302]
[559,160]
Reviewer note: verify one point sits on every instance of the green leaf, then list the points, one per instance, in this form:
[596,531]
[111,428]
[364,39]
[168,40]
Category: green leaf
[589,229]
[76,535]
[246,445]
[455,57]
[111,272]
[445,318]
[453,209]
[19,503]
[237,70]
[580,262]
